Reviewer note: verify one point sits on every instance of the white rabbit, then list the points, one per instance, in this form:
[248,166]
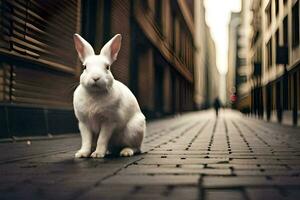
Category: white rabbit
[108,113]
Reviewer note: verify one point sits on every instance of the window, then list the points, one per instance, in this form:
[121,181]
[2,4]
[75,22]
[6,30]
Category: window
[277,2]
[269,53]
[269,13]
[285,32]
[145,5]
[242,79]
[277,41]
[295,25]
[288,105]
[177,36]
[173,29]
[158,13]
[297,88]
[242,61]
[277,38]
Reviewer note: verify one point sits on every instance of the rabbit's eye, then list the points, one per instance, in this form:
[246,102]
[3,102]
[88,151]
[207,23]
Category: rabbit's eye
[83,67]
[107,67]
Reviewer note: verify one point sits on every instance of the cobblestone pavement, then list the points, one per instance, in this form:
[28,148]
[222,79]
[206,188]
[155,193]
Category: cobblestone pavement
[193,156]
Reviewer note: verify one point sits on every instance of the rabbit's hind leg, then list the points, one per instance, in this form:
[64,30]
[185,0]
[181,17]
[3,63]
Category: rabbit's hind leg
[133,136]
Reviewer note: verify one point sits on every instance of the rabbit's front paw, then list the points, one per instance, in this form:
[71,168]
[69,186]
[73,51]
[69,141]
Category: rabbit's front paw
[97,154]
[126,152]
[82,154]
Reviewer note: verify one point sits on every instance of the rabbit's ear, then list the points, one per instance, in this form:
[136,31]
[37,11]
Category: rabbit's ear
[112,48]
[84,49]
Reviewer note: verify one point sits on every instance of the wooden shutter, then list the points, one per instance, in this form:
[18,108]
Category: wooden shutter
[41,88]
[40,30]
[36,42]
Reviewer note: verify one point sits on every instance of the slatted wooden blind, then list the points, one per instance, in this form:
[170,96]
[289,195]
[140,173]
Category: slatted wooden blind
[41,88]
[39,32]
[4,82]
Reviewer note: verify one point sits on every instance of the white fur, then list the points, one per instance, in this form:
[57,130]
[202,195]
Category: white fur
[108,113]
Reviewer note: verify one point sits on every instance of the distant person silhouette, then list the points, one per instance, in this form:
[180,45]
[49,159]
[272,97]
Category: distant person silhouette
[217,105]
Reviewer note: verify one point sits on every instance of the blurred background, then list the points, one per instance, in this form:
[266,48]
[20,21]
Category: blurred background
[176,56]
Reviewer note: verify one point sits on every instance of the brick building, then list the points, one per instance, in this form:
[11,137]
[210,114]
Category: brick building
[39,68]
[275,56]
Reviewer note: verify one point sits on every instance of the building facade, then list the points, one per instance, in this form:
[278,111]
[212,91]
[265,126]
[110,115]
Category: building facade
[206,74]
[163,55]
[213,76]
[275,57]
[233,59]
[238,76]
[39,68]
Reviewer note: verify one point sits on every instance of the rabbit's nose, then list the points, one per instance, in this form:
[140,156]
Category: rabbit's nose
[96,78]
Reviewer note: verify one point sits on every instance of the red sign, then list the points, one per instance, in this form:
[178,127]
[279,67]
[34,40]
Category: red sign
[233,98]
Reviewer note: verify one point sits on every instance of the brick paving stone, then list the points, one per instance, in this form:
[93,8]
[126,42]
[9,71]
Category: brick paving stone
[194,156]
[153,180]
[263,172]
[294,166]
[278,193]
[257,161]
[291,193]
[105,192]
[186,193]
[236,181]
[239,181]
[233,166]
[137,170]
[224,194]
[283,166]
[168,192]
[264,193]
[162,161]
[144,192]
